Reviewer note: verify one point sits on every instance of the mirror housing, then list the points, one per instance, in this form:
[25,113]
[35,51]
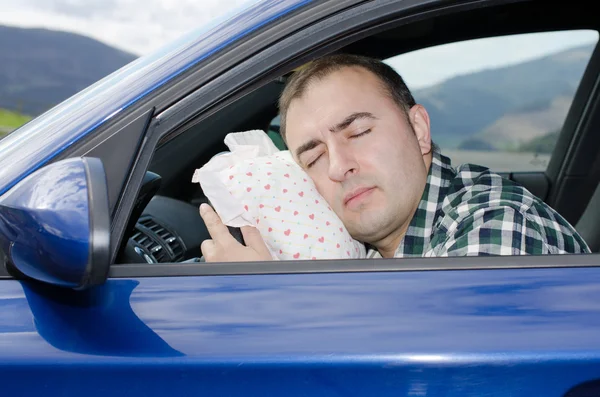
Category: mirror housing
[54,224]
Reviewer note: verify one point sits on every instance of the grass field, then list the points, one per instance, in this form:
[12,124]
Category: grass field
[11,120]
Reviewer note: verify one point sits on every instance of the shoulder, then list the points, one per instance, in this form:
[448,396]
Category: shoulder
[477,188]
[480,200]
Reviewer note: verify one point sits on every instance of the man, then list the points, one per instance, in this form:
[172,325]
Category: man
[354,127]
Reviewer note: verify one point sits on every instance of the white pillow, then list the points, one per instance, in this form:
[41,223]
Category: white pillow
[257,185]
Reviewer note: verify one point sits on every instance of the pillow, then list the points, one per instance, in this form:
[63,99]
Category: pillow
[257,185]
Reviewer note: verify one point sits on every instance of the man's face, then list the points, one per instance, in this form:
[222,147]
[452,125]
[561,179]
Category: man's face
[362,153]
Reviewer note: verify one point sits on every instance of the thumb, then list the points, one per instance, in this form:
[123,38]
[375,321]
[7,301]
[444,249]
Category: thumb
[254,240]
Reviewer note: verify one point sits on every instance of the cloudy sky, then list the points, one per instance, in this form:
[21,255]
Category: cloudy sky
[137,26]
[141,26]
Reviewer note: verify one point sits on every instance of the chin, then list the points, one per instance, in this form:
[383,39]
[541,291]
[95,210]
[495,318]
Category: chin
[374,227]
[366,233]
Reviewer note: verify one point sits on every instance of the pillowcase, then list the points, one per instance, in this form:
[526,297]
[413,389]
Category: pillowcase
[257,185]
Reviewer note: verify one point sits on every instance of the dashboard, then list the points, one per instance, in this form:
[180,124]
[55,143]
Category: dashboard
[168,231]
[162,229]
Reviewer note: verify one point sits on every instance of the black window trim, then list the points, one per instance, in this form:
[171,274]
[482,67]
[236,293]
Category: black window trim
[356,266]
[574,164]
[285,55]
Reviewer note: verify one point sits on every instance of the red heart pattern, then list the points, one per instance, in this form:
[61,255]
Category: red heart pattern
[298,237]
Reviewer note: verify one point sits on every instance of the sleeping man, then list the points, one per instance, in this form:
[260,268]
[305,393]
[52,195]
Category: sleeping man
[355,129]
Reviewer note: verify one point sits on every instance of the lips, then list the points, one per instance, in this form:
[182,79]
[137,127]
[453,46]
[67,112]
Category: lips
[355,193]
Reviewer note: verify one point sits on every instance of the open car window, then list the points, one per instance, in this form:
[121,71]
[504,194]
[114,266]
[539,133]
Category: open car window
[500,101]
[527,112]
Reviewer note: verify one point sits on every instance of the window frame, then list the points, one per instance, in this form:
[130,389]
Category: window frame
[322,37]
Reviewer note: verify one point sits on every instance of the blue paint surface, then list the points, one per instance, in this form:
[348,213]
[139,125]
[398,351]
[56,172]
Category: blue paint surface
[45,224]
[450,333]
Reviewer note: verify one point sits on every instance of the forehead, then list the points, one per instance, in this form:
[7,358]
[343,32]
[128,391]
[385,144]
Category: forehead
[350,80]
[328,100]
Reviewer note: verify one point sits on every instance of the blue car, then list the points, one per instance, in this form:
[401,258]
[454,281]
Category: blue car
[101,289]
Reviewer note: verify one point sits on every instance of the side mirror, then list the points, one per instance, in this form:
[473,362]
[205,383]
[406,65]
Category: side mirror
[54,224]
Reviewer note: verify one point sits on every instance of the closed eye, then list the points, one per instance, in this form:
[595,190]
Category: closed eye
[361,134]
[314,161]
[353,136]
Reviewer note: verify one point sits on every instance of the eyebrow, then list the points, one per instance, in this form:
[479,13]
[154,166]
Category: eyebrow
[313,143]
[350,119]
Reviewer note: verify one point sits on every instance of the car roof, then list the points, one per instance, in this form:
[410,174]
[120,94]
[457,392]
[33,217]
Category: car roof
[43,138]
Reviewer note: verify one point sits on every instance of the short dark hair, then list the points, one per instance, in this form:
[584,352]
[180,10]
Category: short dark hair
[392,82]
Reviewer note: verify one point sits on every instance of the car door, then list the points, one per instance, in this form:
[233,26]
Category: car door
[438,327]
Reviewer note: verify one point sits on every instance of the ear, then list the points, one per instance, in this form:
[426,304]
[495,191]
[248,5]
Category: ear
[419,118]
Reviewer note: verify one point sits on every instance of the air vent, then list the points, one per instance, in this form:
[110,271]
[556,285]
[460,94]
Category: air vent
[157,251]
[165,235]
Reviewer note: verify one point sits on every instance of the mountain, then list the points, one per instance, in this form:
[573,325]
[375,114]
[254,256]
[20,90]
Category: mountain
[40,68]
[513,107]
[497,108]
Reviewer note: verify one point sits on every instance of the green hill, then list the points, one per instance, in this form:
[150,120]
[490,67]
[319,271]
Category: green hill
[502,108]
[10,120]
[40,68]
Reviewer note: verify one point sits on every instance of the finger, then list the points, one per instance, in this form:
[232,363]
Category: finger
[254,240]
[208,248]
[217,230]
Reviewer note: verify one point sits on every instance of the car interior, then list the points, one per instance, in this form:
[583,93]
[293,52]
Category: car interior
[166,227]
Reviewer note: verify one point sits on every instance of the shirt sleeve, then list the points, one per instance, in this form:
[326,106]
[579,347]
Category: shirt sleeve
[504,231]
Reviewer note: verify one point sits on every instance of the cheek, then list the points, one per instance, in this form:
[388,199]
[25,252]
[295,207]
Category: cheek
[325,187]
[392,163]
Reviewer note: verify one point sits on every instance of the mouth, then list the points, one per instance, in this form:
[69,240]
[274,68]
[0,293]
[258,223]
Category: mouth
[356,195]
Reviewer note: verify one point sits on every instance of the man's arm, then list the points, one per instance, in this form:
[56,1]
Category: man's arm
[507,231]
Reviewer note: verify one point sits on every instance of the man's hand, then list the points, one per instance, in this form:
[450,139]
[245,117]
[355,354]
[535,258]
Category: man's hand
[224,248]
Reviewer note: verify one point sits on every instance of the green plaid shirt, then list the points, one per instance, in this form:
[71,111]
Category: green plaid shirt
[472,211]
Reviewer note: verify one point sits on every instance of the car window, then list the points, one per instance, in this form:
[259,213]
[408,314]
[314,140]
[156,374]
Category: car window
[495,104]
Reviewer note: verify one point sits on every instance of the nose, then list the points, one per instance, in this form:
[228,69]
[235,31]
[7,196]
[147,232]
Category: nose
[342,163]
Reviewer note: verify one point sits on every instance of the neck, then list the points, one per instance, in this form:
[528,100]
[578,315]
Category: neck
[388,246]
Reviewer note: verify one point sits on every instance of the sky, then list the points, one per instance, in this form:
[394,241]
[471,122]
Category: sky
[142,26]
